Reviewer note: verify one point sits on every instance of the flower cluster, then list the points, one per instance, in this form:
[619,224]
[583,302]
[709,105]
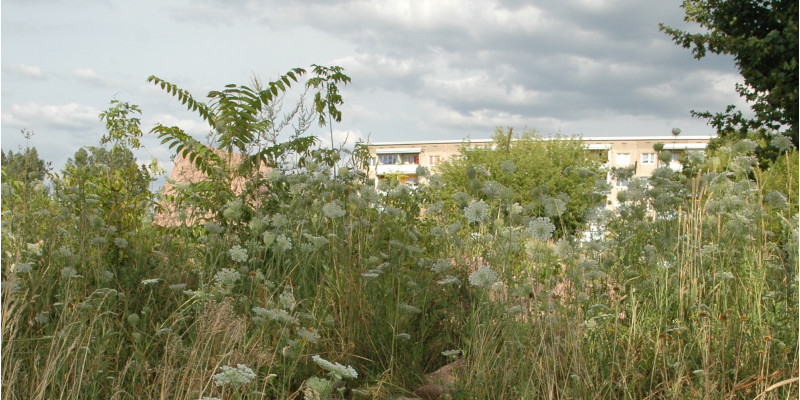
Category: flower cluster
[338,370]
[275,314]
[476,211]
[233,210]
[541,228]
[238,254]
[241,375]
[332,210]
[227,277]
[508,166]
[483,277]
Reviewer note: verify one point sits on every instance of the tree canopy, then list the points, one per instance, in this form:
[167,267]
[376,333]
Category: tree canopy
[762,37]
[556,178]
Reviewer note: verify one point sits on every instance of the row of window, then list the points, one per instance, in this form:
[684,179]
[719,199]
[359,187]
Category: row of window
[405,159]
[646,158]
[625,159]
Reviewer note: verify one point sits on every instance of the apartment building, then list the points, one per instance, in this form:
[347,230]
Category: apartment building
[401,159]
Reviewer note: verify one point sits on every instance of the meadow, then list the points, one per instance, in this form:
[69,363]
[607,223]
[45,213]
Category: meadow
[308,281]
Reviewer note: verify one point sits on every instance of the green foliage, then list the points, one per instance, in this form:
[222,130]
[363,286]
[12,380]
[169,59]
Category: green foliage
[122,128]
[762,37]
[557,177]
[324,286]
[24,166]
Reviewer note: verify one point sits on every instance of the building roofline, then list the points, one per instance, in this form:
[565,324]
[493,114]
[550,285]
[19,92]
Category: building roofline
[585,139]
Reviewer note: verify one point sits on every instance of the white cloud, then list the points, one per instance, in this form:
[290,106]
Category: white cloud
[91,76]
[482,121]
[28,71]
[341,138]
[72,116]
[194,127]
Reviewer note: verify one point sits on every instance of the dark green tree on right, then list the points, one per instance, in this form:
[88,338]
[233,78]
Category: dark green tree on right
[762,37]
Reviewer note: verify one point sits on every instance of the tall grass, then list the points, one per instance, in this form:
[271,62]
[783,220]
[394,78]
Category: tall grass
[691,293]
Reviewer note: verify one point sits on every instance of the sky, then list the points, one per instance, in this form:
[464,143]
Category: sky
[446,69]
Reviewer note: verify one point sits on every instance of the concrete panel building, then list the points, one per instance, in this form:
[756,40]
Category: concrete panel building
[401,159]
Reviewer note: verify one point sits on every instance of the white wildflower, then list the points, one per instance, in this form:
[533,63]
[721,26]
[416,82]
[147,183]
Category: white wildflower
[283,243]
[213,228]
[238,254]
[408,308]
[448,281]
[227,277]
[120,242]
[42,317]
[35,248]
[782,142]
[541,228]
[275,314]
[451,353]
[336,369]
[476,211]
[233,210]
[483,277]
[309,335]
[178,286]
[508,166]
[403,336]
[22,268]
[68,273]
[64,251]
[151,281]
[332,210]
[286,300]
[441,266]
[317,388]
[241,375]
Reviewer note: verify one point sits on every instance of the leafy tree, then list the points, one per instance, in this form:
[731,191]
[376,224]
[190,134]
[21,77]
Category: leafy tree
[24,166]
[111,180]
[240,119]
[556,178]
[762,37]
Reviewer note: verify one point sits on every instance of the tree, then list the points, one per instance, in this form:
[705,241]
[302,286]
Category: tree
[555,178]
[241,118]
[762,37]
[24,166]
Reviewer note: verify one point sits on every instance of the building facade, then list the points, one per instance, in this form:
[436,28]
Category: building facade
[401,159]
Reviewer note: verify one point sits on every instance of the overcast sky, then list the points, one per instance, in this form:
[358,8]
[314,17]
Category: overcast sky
[420,69]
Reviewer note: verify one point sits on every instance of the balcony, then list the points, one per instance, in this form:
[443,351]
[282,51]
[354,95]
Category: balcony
[405,169]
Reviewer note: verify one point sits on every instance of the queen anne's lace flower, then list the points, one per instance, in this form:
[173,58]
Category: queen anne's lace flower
[22,268]
[408,308]
[483,277]
[275,314]
[448,281]
[332,210]
[476,211]
[508,166]
[336,369]
[283,243]
[238,254]
[233,210]
[541,228]
[227,277]
[241,375]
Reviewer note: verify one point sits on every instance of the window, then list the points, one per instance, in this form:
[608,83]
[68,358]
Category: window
[622,184]
[434,160]
[410,158]
[389,159]
[648,158]
[623,159]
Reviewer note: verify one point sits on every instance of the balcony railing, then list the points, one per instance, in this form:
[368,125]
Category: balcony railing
[405,169]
